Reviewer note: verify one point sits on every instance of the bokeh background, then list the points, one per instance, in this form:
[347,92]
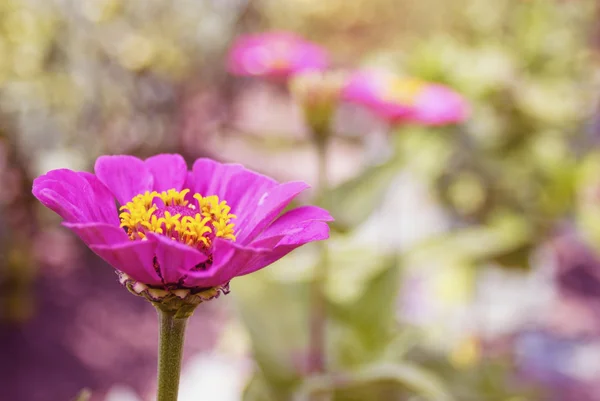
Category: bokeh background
[463,263]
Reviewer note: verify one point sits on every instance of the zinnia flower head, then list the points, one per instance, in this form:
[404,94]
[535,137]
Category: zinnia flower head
[400,99]
[318,94]
[180,233]
[275,54]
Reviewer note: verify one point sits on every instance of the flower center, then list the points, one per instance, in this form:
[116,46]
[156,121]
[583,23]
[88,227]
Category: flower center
[195,222]
[404,90]
[279,63]
[279,55]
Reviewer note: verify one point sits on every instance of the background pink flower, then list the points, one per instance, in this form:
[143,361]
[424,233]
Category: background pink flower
[275,54]
[405,100]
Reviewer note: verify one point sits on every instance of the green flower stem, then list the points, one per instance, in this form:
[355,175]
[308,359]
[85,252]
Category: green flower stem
[322,144]
[318,315]
[318,307]
[170,352]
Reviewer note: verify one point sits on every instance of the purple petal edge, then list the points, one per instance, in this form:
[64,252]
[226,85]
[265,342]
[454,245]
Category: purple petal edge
[174,258]
[125,176]
[136,258]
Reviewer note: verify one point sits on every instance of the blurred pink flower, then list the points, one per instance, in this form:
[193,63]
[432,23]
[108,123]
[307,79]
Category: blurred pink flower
[275,55]
[405,100]
[174,229]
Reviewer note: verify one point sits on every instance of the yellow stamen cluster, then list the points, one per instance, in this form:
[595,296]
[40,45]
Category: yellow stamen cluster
[178,220]
[404,90]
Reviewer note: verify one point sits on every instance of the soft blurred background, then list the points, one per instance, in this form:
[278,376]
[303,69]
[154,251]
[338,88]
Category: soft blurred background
[463,263]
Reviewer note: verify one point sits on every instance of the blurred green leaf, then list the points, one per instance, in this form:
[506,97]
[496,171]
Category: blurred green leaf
[504,234]
[363,326]
[518,258]
[425,150]
[351,268]
[355,200]
[257,389]
[275,314]
[490,379]
[404,374]
[588,211]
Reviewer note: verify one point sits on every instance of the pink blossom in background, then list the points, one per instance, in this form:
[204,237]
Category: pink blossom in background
[405,100]
[175,227]
[275,55]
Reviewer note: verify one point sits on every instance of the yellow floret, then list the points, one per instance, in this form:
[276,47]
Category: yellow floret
[212,219]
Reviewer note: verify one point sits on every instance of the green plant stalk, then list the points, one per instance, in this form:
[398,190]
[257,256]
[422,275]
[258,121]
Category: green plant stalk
[170,352]
[318,306]
[318,316]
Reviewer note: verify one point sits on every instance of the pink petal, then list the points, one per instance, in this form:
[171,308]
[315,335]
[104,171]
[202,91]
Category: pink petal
[392,112]
[361,87]
[439,105]
[104,200]
[210,177]
[64,207]
[75,196]
[98,233]
[369,88]
[229,259]
[169,171]
[290,223]
[175,258]
[304,233]
[241,188]
[125,176]
[266,209]
[275,54]
[299,214]
[136,258]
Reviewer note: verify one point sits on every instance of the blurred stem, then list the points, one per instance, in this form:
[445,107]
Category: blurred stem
[322,144]
[170,352]
[17,267]
[318,315]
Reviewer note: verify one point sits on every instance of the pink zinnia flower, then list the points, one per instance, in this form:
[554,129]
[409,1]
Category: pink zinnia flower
[399,100]
[275,54]
[174,228]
